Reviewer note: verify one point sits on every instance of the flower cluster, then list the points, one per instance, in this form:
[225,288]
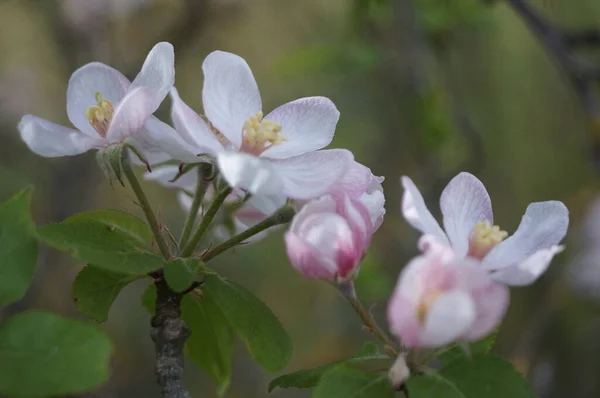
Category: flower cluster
[455,290]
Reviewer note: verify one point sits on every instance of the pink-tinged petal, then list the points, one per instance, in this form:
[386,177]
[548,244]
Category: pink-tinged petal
[355,181]
[416,213]
[163,137]
[131,114]
[464,203]
[308,125]
[230,94]
[359,221]
[449,318]
[52,140]
[306,260]
[543,226]
[491,302]
[403,321]
[164,175]
[84,83]
[374,200]
[529,270]
[311,175]
[192,128]
[248,172]
[158,72]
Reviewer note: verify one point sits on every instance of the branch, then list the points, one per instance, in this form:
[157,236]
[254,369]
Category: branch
[169,333]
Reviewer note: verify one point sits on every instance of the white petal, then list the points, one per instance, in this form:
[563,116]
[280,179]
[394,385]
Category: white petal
[266,204]
[230,94]
[153,158]
[165,174]
[308,124]
[192,128]
[311,175]
[84,83]
[131,114]
[543,226]
[416,213]
[464,203]
[51,140]
[248,172]
[158,72]
[450,316]
[528,271]
[163,137]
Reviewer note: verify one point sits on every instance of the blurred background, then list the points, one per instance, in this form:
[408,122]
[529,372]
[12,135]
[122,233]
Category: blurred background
[425,88]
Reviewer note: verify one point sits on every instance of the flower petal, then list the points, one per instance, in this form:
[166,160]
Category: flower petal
[306,259]
[192,128]
[52,140]
[265,204]
[491,302]
[131,114]
[403,321]
[248,172]
[528,271]
[308,124]
[165,174]
[311,175]
[359,220]
[158,72]
[230,94]
[163,137]
[416,213]
[355,181]
[449,317]
[543,226]
[84,83]
[464,203]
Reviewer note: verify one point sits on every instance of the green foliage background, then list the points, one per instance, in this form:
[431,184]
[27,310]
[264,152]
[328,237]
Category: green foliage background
[404,76]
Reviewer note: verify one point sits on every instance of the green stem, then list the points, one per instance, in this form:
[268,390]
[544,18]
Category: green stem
[206,221]
[281,216]
[144,204]
[365,316]
[203,172]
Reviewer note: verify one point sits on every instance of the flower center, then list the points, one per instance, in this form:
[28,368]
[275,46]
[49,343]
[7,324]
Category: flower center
[426,303]
[260,134]
[100,114]
[484,238]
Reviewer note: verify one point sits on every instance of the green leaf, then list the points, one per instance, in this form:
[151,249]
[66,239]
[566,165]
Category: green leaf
[308,378]
[18,247]
[346,382]
[42,354]
[486,376]
[211,343]
[181,272]
[266,339]
[95,289]
[457,351]
[109,239]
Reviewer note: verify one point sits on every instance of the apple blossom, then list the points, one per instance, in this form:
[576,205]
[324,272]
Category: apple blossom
[441,298]
[277,154]
[251,212]
[469,229]
[329,237]
[106,108]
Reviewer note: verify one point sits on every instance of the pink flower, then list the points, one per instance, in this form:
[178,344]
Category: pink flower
[106,108]
[253,211]
[469,229]
[277,154]
[328,238]
[440,299]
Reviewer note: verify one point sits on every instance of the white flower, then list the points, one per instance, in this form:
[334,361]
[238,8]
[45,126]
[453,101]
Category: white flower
[106,108]
[469,228]
[271,155]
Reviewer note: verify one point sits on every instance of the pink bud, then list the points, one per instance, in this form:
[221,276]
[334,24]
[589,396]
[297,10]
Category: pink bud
[328,238]
[440,299]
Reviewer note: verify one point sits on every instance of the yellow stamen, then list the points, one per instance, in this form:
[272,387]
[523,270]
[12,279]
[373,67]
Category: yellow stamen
[100,114]
[260,134]
[426,303]
[484,238]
